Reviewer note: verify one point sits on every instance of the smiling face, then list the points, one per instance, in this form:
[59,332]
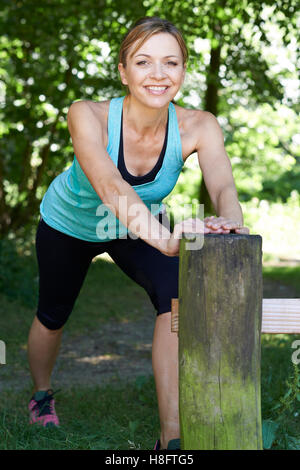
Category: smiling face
[155,72]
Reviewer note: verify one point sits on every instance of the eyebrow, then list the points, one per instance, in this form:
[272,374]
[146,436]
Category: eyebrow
[147,55]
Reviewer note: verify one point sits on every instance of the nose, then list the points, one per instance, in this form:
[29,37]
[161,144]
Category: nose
[157,71]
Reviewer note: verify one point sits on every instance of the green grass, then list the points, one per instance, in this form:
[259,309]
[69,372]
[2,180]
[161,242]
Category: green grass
[122,415]
[277,371]
[107,294]
[286,275]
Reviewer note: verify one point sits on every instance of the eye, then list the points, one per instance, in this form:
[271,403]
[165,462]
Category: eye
[172,63]
[142,62]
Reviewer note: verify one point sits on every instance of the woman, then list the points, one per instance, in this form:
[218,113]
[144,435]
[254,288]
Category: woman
[129,154]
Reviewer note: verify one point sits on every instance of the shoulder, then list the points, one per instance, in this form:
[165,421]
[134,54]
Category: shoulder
[209,131]
[84,108]
[196,127]
[85,117]
[196,118]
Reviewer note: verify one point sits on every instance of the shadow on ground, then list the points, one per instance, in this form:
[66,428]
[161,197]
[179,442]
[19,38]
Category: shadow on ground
[118,350]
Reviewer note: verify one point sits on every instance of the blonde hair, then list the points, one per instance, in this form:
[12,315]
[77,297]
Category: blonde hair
[143,29]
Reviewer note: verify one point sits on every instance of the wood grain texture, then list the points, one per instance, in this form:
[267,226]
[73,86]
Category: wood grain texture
[278,316]
[281,316]
[220,305]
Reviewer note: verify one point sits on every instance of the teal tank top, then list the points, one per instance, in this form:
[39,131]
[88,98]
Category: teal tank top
[72,206]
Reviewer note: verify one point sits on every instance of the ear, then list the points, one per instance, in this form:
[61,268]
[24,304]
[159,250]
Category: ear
[122,72]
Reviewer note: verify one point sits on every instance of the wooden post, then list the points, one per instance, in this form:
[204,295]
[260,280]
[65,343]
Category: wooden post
[220,310]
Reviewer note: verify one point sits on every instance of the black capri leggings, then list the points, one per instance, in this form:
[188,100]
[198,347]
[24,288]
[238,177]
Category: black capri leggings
[64,260]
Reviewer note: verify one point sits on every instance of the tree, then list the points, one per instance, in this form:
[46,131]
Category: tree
[51,55]
[58,52]
[237,34]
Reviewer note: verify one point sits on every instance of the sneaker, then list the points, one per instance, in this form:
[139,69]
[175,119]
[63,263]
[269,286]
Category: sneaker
[42,410]
[174,444]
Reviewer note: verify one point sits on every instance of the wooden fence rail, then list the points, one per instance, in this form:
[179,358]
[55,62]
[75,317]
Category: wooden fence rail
[278,316]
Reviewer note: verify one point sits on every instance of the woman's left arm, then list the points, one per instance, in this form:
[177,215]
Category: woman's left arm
[217,173]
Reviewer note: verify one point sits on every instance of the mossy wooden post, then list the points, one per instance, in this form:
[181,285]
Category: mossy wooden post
[220,310]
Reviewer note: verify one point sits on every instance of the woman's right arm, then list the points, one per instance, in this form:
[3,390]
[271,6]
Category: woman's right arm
[88,143]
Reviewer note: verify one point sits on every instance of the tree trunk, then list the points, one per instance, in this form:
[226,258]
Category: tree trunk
[211,105]
[220,310]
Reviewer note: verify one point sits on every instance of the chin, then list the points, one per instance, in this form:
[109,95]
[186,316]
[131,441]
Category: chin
[152,101]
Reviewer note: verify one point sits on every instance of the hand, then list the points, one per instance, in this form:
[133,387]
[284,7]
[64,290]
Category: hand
[224,225]
[171,246]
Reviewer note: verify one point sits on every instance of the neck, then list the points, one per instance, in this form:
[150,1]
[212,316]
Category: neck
[142,119]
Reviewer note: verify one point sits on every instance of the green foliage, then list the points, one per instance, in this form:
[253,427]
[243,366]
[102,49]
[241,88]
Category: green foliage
[269,429]
[277,223]
[280,389]
[263,151]
[277,431]
[286,275]
[290,401]
[51,57]
[18,274]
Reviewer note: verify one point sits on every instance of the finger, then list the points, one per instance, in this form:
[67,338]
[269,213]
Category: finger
[232,226]
[214,226]
[211,218]
[243,230]
[217,222]
[194,226]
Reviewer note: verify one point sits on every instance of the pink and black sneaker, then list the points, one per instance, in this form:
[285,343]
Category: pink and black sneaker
[42,410]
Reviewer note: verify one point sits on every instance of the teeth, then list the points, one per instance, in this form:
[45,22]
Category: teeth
[157,88]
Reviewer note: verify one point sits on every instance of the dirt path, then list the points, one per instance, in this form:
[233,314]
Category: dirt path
[115,351]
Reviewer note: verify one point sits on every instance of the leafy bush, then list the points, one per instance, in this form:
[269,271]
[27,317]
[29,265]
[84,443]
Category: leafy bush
[18,273]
